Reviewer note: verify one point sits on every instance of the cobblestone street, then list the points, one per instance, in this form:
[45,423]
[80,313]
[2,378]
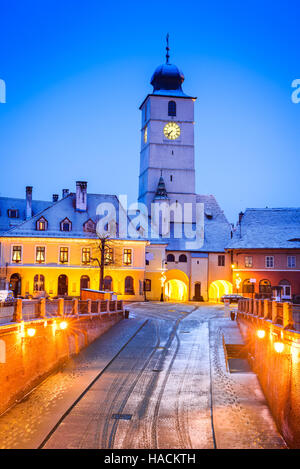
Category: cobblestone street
[155,380]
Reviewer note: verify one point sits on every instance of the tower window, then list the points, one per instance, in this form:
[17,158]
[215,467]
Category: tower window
[171,108]
[171,178]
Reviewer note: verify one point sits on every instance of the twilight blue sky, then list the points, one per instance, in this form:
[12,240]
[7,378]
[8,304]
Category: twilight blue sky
[77,71]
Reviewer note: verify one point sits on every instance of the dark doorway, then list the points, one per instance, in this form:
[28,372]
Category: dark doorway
[84,282]
[15,285]
[62,288]
[197,292]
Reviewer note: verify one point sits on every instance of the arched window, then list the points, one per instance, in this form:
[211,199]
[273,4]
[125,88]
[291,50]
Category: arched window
[84,282]
[171,108]
[15,284]
[108,283]
[248,287]
[129,289]
[265,286]
[170,258]
[39,283]
[182,258]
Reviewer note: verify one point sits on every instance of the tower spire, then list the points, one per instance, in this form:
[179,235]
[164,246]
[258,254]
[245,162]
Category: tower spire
[167,49]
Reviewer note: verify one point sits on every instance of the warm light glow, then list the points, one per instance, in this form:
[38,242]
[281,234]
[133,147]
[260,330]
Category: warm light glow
[145,134]
[279,347]
[172,130]
[31,332]
[63,325]
[176,290]
[219,288]
[261,333]
[21,330]
[232,266]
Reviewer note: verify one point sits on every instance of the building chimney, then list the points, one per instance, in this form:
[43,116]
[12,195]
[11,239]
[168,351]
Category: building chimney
[55,197]
[81,196]
[28,202]
[65,192]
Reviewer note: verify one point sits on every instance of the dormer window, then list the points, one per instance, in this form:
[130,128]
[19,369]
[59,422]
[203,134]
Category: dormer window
[89,226]
[65,225]
[13,213]
[42,224]
[171,108]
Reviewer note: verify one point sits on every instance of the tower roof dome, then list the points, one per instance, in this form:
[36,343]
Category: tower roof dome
[167,77]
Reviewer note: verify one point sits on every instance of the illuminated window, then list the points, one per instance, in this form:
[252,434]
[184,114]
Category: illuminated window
[248,261]
[171,108]
[86,256]
[40,254]
[108,255]
[64,255]
[17,254]
[221,261]
[291,261]
[127,257]
[145,134]
[147,284]
[129,289]
[65,225]
[269,261]
[39,283]
[41,224]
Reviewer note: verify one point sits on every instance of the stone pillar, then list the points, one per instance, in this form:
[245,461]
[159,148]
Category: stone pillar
[89,306]
[75,307]
[266,308]
[287,315]
[60,307]
[18,310]
[99,306]
[274,312]
[42,305]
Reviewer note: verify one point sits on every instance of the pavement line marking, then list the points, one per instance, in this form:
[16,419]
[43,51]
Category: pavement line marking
[88,388]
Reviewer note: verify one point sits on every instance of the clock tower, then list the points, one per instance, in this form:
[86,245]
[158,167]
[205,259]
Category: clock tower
[167,140]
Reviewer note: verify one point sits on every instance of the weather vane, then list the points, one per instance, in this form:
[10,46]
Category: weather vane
[167,48]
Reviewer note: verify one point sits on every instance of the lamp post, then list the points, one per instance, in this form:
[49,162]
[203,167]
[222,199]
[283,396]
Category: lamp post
[163,278]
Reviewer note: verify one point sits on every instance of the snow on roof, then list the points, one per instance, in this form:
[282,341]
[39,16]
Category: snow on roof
[268,228]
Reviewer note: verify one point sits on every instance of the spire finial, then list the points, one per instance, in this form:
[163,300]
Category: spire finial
[167,49]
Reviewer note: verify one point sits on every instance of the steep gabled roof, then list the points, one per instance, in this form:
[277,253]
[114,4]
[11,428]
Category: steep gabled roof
[268,228]
[10,203]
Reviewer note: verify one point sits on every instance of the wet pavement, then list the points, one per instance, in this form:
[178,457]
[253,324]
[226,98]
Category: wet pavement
[155,380]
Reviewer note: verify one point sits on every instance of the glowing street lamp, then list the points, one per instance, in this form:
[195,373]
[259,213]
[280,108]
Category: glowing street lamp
[31,332]
[261,333]
[279,347]
[63,325]
[163,279]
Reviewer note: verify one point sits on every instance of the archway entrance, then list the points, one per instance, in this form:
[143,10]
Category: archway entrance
[176,287]
[15,284]
[218,288]
[62,287]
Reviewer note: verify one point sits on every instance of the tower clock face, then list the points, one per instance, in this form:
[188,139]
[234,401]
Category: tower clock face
[171,130]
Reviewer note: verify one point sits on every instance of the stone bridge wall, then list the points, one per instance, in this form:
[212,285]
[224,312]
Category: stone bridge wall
[32,349]
[275,358]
